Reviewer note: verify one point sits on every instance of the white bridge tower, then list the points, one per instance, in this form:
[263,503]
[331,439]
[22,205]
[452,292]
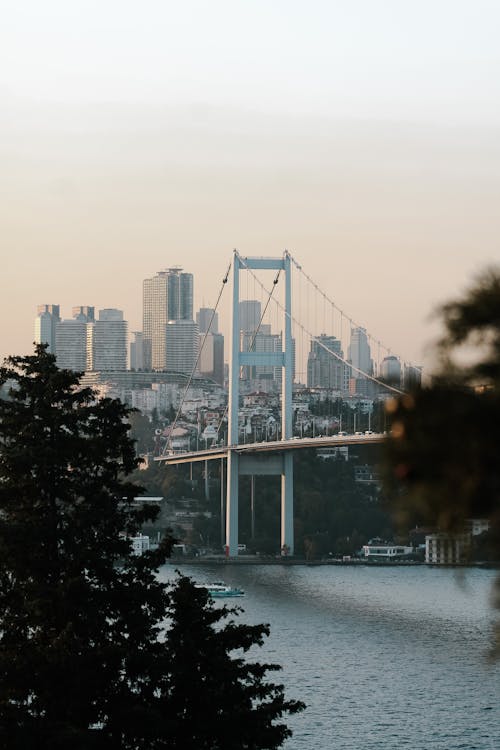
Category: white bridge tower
[259,464]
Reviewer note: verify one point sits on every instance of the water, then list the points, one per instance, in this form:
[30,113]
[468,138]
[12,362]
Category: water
[386,658]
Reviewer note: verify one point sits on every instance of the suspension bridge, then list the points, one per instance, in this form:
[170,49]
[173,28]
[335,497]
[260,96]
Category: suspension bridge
[288,349]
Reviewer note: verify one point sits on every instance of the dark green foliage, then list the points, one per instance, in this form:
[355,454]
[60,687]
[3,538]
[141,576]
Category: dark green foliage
[82,663]
[334,514]
[142,432]
[443,452]
[68,614]
[218,699]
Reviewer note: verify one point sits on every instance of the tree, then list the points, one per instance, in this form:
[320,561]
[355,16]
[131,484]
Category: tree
[217,700]
[443,451]
[82,663]
[68,614]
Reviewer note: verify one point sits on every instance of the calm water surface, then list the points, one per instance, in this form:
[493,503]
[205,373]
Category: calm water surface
[384,658]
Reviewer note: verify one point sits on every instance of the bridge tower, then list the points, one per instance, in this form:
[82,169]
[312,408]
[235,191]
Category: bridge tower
[256,464]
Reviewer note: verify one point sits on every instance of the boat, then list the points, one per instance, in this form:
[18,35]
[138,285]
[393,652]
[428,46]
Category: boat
[218,589]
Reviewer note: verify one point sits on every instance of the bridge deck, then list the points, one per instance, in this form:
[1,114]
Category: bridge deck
[210,454]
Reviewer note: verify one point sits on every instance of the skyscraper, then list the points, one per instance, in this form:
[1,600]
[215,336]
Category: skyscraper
[137,351]
[107,341]
[203,318]
[181,345]
[359,353]
[325,370]
[71,344]
[45,326]
[250,315]
[390,371]
[412,376]
[211,360]
[84,312]
[166,296]
[359,356]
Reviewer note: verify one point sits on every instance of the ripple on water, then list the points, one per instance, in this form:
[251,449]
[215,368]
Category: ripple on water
[384,657]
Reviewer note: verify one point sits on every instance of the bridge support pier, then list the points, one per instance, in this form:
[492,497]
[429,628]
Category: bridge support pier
[232,503]
[287,504]
[252,465]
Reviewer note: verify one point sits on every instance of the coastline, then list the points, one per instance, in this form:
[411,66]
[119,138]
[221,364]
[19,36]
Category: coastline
[249,560]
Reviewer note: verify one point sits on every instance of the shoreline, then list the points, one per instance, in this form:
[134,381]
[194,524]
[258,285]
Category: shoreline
[246,560]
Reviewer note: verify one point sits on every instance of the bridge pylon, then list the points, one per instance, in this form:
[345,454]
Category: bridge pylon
[255,464]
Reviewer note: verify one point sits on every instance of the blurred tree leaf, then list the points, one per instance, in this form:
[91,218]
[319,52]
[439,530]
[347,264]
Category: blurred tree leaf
[442,456]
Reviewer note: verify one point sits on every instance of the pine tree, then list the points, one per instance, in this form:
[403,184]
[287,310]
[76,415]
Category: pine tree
[84,658]
[216,698]
[69,616]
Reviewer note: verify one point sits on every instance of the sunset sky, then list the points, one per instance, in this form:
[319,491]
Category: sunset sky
[363,136]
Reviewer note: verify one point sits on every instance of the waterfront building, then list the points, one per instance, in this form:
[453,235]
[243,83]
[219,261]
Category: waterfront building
[383,552]
[443,548]
[107,341]
[45,326]
[167,296]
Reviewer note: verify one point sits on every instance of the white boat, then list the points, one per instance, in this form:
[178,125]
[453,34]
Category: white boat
[218,589]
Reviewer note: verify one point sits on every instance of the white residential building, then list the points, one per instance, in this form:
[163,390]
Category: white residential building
[385,552]
[107,341]
[71,344]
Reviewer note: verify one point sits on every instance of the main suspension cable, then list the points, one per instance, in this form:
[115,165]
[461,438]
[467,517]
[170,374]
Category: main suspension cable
[323,345]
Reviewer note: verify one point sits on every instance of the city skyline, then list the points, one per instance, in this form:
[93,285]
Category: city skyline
[362,139]
[83,343]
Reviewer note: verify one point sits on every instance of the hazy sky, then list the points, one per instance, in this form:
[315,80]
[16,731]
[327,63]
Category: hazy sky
[363,136]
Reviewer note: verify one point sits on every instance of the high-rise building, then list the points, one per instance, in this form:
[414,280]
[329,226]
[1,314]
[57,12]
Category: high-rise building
[264,342]
[211,358]
[412,377]
[390,370]
[84,312]
[204,319]
[166,296]
[137,351]
[45,326]
[250,314]
[325,370]
[359,355]
[185,303]
[181,345]
[71,344]
[107,341]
